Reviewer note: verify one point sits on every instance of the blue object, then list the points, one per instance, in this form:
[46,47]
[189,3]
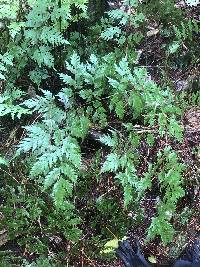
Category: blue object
[133,257]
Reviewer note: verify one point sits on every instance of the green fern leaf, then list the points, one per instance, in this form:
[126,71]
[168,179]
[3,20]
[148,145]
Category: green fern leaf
[110,33]
[111,164]
[108,140]
[61,189]
[51,178]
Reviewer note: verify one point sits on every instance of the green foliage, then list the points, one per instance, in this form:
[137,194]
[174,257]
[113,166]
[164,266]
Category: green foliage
[61,183]
[7,105]
[123,161]
[184,33]
[164,12]
[5,60]
[170,180]
[55,150]
[34,36]
[186,30]
[42,262]
[121,22]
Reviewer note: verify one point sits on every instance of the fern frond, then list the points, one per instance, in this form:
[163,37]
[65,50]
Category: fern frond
[43,56]
[38,138]
[111,164]
[61,189]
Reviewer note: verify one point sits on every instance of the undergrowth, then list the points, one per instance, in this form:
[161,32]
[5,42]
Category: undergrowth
[61,78]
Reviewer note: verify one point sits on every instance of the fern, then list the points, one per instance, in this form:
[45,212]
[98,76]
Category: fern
[170,179]
[103,87]
[111,164]
[7,105]
[9,9]
[185,30]
[61,189]
[37,138]
[40,32]
[110,33]
[123,163]
[124,20]
[43,56]
[108,140]
[55,150]
[52,36]
[38,75]
[6,60]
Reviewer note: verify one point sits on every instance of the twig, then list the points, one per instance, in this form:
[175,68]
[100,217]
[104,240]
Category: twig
[111,232]
[88,259]
[107,191]
[146,131]
[9,175]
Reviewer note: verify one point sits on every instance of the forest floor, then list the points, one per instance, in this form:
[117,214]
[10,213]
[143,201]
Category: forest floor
[152,56]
